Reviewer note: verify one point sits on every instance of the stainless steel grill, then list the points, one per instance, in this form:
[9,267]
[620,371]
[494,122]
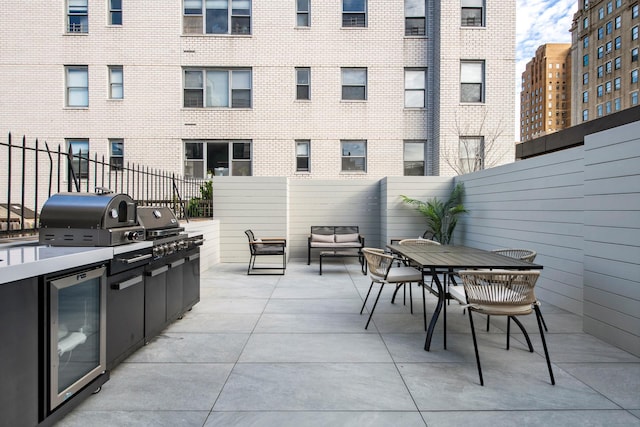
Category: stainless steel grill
[89,219]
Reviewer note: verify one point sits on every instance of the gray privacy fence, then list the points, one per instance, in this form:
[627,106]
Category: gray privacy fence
[579,209]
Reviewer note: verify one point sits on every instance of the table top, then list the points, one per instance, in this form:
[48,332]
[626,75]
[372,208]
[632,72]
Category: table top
[459,257]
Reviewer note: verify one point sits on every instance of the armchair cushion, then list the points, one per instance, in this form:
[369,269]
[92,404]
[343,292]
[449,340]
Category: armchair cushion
[322,238]
[347,238]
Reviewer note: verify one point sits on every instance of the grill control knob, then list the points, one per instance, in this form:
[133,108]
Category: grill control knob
[132,235]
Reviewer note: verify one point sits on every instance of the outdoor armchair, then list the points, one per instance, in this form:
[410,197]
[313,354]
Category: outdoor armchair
[382,272]
[266,247]
[503,293]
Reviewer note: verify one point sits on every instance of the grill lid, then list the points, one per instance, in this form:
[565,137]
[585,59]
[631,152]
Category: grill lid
[88,211]
[158,221]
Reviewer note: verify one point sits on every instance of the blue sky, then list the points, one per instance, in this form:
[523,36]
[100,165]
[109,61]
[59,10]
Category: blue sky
[539,22]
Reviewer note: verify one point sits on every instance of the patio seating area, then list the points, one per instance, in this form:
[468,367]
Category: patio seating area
[292,350]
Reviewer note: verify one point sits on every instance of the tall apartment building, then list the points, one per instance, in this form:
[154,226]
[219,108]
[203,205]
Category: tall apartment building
[605,43]
[545,99]
[329,89]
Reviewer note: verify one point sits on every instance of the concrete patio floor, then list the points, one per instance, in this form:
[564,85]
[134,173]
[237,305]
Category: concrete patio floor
[292,351]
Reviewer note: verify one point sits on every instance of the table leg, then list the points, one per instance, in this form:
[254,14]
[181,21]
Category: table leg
[436,312]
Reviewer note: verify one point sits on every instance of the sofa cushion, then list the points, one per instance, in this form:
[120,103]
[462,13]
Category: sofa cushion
[322,238]
[347,238]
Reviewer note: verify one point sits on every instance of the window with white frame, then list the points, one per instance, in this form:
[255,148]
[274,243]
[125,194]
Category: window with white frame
[302,13]
[414,88]
[116,82]
[303,83]
[115,12]
[472,81]
[354,83]
[216,16]
[414,18]
[303,155]
[79,149]
[414,164]
[77,16]
[354,155]
[116,154]
[471,153]
[77,86]
[472,13]
[217,88]
[354,13]
[217,157]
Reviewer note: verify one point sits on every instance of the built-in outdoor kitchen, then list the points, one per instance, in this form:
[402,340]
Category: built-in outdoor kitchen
[103,277]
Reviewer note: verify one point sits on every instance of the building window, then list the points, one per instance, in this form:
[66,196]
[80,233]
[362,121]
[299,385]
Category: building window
[116,88]
[354,83]
[414,18]
[77,81]
[585,42]
[354,156]
[79,149]
[634,98]
[414,88]
[634,54]
[471,153]
[617,63]
[634,11]
[585,23]
[634,33]
[599,110]
[634,76]
[116,159]
[302,13]
[609,27]
[585,60]
[77,16]
[472,13]
[608,47]
[600,91]
[217,157]
[600,52]
[601,13]
[600,71]
[617,104]
[585,115]
[607,87]
[303,155]
[217,88]
[115,12]
[585,79]
[617,83]
[354,13]
[585,97]
[618,42]
[609,8]
[618,21]
[472,81]
[303,83]
[414,158]
[217,16]
[608,67]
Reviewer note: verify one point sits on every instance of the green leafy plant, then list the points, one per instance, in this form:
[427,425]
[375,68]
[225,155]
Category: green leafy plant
[441,216]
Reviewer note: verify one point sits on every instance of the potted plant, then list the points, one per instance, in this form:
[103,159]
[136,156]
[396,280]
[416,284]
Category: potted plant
[441,216]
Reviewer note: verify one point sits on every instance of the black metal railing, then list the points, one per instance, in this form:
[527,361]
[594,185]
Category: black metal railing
[33,172]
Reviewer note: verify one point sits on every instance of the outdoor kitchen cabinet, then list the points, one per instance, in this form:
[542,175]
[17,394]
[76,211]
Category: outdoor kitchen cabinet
[19,325]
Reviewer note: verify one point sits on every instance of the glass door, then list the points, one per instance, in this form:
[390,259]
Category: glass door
[77,332]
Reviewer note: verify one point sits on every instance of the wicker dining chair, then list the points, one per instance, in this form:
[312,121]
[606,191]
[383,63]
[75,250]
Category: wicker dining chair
[382,272]
[523,255]
[419,242]
[503,293]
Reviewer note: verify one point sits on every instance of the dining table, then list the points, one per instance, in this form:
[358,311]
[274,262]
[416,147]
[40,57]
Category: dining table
[445,260]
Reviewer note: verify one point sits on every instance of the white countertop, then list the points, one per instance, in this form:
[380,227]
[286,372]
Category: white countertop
[23,261]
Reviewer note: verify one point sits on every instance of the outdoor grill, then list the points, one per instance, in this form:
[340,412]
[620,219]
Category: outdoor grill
[89,219]
[162,228]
